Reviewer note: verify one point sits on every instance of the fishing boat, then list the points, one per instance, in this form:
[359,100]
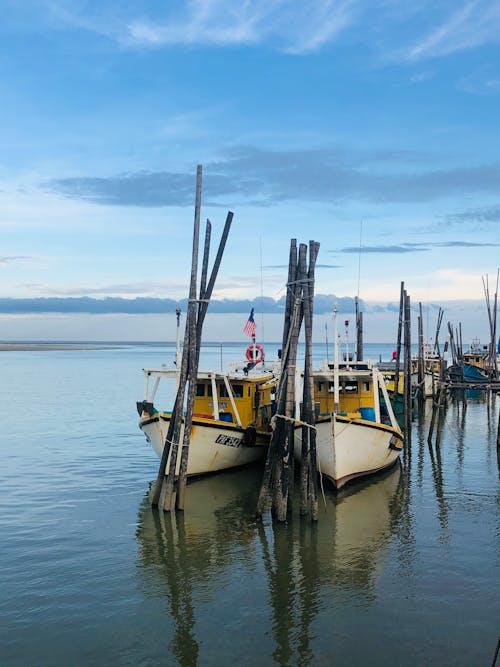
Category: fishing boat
[231,417]
[355,434]
[426,372]
[473,366]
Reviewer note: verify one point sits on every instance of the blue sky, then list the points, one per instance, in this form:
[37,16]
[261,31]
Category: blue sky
[363,125]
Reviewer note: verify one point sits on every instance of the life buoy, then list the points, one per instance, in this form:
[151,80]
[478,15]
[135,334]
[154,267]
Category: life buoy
[255,353]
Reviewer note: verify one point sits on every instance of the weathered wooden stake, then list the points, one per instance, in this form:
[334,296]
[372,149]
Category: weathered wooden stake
[190,344]
[164,487]
[359,331]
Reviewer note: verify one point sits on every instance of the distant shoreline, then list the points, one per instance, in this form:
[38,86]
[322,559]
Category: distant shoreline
[35,347]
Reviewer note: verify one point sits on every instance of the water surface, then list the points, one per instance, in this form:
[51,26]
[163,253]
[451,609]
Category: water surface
[402,569]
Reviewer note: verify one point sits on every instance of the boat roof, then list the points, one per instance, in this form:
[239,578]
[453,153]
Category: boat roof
[253,376]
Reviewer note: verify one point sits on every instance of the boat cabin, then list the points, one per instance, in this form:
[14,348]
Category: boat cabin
[242,401]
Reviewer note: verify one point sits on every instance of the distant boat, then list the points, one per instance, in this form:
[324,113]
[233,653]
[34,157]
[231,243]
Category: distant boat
[355,435]
[473,367]
[466,372]
[231,419]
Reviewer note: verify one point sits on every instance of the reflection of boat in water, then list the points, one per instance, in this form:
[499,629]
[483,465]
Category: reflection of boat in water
[364,517]
[214,565]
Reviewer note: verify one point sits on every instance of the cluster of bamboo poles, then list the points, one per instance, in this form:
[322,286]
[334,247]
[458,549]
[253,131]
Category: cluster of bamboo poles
[163,490]
[278,478]
[404,339]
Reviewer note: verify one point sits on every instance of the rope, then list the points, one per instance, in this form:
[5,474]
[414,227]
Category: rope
[295,421]
[321,480]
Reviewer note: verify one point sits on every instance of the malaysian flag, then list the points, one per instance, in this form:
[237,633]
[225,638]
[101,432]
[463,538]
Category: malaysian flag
[250,326]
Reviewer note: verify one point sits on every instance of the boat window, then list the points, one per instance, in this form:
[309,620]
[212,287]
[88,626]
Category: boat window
[366,386]
[200,389]
[349,387]
[223,391]
[209,388]
[237,390]
[320,386]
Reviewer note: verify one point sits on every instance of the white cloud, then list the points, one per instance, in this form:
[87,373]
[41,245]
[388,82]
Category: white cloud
[472,25]
[298,28]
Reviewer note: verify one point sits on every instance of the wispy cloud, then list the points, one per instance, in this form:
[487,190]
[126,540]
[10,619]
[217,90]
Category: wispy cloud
[297,28]
[473,24]
[318,266]
[267,177]
[479,215]
[413,247]
[151,289]
[284,25]
[9,259]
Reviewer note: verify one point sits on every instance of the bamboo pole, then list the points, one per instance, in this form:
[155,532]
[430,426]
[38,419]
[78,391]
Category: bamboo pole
[359,331]
[190,342]
[398,344]
[188,370]
[282,473]
[407,366]
[309,476]
[205,297]
[279,424]
[420,355]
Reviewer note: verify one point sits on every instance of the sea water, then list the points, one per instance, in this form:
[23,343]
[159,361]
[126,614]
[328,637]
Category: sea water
[401,569]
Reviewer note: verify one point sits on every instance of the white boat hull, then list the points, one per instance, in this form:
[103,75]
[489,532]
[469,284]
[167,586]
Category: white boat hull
[213,446]
[359,447]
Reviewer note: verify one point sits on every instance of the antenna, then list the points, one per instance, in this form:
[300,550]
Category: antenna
[359,254]
[261,291]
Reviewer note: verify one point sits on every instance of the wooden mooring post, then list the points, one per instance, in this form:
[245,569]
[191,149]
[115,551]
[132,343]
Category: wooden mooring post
[277,481]
[163,490]
[407,398]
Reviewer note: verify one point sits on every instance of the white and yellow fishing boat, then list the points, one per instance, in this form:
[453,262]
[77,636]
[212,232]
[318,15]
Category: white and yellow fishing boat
[356,433]
[231,419]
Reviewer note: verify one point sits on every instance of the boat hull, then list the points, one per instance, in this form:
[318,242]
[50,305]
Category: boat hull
[468,373]
[213,446]
[359,448]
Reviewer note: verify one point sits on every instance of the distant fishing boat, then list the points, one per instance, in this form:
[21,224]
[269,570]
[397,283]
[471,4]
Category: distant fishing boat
[466,372]
[425,380]
[473,367]
[231,418]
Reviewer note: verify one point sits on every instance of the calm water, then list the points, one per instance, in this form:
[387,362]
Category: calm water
[401,570]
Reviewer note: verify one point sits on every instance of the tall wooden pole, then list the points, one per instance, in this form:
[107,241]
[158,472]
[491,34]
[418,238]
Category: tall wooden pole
[309,466]
[359,331]
[398,343]
[279,422]
[190,344]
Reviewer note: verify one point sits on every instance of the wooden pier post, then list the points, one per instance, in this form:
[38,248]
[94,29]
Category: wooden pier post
[277,480]
[408,399]
[164,487]
[308,468]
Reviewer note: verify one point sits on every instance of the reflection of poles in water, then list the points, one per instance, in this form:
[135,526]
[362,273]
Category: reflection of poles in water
[292,570]
[308,588]
[280,587]
[437,476]
[421,425]
[172,554]
[498,433]
[460,431]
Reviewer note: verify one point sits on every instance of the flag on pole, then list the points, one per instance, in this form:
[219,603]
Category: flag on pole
[250,326]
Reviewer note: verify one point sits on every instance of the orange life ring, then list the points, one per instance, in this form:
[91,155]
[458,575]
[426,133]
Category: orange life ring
[255,353]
